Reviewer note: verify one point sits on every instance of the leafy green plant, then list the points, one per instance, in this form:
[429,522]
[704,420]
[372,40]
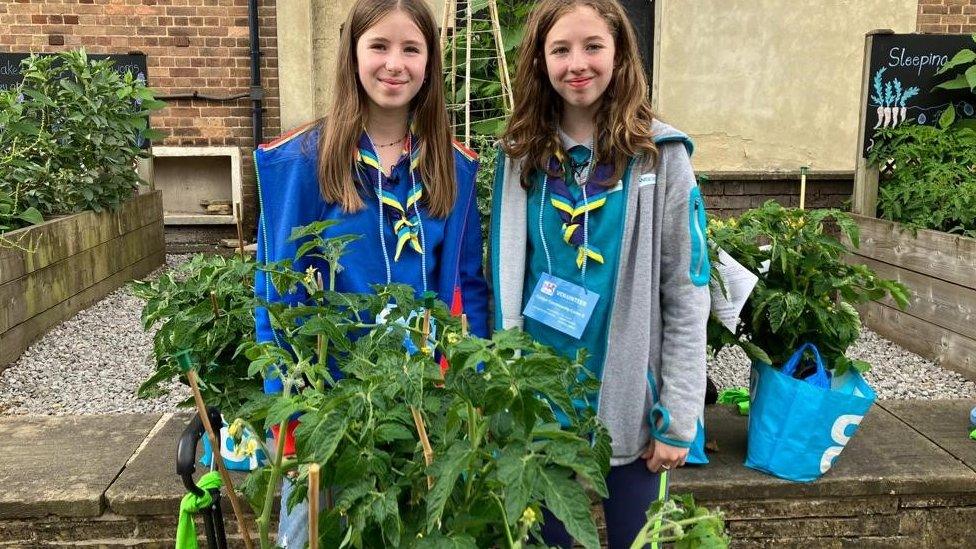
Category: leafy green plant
[806,291]
[679,521]
[205,306]
[962,70]
[486,102]
[933,183]
[69,136]
[497,453]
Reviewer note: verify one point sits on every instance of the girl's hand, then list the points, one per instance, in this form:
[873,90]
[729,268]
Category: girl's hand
[660,456]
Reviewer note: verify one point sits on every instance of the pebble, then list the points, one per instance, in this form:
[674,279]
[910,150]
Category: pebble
[895,372]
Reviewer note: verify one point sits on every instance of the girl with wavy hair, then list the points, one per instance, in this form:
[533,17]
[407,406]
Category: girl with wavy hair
[603,230]
[382,165]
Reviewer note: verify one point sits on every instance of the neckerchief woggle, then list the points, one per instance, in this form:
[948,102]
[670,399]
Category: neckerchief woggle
[572,211]
[404,218]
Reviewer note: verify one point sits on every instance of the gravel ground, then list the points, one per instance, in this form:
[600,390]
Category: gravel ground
[895,373]
[94,362]
[91,363]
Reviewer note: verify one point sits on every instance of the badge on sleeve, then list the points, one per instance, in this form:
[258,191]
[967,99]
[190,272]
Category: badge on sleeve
[561,305]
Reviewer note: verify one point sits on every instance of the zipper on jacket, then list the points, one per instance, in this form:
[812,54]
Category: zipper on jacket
[700,268]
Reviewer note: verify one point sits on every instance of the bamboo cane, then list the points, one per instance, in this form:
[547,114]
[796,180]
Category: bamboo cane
[496,28]
[418,419]
[803,186]
[240,229]
[313,506]
[453,4]
[213,303]
[191,376]
[467,77]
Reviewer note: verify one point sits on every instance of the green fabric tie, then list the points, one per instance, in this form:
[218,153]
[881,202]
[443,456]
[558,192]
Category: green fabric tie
[186,531]
[736,396]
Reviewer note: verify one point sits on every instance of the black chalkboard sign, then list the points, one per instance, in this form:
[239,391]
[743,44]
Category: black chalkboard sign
[902,77]
[10,66]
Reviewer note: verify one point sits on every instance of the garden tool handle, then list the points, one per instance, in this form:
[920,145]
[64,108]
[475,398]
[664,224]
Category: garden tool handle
[186,449]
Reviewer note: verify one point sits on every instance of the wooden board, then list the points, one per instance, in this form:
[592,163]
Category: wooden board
[63,237]
[42,289]
[13,342]
[940,255]
[947,305]
[949,349]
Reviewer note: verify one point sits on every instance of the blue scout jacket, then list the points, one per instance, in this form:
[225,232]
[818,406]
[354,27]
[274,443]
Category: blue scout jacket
[289,197]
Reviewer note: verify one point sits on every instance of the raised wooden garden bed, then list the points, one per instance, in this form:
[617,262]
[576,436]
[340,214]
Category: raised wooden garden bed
[75,261]
[940,270]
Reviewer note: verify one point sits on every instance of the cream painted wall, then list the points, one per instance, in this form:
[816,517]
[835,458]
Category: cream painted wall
[308,35]
[768,85]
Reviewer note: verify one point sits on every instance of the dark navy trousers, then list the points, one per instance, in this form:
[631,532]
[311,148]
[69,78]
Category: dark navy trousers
[632,489]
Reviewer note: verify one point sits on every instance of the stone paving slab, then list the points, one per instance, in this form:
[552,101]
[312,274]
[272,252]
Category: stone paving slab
[149,484]
[63,465]
[944,422]
[886,456]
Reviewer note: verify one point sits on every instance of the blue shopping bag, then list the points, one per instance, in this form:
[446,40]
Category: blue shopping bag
[798,427]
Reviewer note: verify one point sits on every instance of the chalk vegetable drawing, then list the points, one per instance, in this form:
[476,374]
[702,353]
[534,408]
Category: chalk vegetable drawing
[891,100]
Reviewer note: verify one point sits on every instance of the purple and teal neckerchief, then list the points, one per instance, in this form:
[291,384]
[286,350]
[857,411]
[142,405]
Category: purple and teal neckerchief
[575,213]
[407,224]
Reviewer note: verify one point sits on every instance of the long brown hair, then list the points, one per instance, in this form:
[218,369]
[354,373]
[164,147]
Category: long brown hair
[624,118]
[343,125]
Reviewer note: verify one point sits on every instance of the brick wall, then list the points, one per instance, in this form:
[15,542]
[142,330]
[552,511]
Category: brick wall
[191,45]
[947,16]
[728,195]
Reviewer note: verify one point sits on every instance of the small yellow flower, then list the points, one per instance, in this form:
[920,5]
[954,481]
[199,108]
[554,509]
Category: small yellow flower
[310,276]
[426,350]
[528,516]
[453,338]
[236,429]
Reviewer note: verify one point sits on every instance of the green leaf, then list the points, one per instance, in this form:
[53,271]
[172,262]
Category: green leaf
[958,83]
[32,216]
[318,436]
[440,541]
[446,469]
[960,58]
[568,502]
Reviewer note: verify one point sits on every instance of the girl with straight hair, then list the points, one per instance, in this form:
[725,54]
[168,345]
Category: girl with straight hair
[383,166]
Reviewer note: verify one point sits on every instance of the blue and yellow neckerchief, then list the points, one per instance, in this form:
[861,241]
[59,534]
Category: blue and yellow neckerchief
[404,218]
[573,211]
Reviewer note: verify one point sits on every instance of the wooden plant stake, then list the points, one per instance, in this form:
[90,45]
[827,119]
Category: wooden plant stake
[803,186]
[184,359]
[313,506]
[240,229]
[213,303]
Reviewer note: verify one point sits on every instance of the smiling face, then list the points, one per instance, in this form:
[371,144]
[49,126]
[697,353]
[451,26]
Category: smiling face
[392,61]
[579,54]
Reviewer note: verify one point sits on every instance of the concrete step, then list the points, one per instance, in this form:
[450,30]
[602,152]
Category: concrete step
[907,479]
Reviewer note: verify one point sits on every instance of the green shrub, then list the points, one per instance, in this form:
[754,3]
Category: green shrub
[69,137]
[933,183]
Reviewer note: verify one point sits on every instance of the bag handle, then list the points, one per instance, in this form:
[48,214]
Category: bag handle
[819,379]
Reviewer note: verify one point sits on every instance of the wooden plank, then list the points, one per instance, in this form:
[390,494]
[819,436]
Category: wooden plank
[59,238]
[940,255]
[949,349]
[40,290]
[942,303]
[15,341]
[865,197]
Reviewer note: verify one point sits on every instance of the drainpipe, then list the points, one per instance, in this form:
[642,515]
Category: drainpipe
[257,94]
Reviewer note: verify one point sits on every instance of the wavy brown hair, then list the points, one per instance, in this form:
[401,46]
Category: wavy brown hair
[624,118]
[343,125]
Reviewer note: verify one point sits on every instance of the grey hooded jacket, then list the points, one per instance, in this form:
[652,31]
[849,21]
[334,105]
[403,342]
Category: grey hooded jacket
[654,372]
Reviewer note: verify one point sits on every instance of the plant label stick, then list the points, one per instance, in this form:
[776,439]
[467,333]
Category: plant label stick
[803,185]
[313,506]
[191,375]
[240,228]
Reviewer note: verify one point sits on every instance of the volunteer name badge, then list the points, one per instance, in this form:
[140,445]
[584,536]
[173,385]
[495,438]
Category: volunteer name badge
[561,305]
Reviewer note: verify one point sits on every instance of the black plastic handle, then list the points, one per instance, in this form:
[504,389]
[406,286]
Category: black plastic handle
[186,449]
